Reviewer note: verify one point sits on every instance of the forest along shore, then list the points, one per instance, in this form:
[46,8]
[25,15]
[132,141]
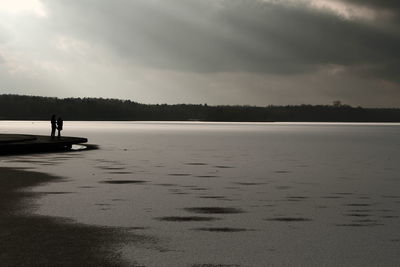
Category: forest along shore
[33,240]
[20,107]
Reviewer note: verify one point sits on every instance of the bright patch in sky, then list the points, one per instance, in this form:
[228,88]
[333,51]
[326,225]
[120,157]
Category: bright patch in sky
[339,8]
[23,6]
[345,10]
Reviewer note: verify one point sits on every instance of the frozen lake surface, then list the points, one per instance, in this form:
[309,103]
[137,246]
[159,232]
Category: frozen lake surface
[231,194]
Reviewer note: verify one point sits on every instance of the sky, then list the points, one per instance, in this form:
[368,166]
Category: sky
[245,52]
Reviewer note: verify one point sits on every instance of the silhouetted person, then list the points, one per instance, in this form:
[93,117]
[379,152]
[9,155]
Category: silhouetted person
[53,126]
[60,123]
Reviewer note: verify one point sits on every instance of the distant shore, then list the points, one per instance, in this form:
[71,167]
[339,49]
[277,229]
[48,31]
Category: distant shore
[22,107]
[33,240]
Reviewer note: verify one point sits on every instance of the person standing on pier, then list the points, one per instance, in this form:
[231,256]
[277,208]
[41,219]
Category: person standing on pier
[60,123]
[53,126]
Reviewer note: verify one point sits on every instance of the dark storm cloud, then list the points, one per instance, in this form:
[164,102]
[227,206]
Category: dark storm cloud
[235,35]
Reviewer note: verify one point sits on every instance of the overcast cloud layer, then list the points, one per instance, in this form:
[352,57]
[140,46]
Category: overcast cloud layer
[256,52]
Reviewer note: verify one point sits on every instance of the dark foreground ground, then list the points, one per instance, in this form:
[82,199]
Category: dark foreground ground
[31,240]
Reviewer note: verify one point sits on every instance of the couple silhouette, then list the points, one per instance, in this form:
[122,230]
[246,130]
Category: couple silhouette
[56,125]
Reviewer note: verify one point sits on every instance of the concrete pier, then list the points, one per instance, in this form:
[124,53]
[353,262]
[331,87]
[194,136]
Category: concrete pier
[21,143]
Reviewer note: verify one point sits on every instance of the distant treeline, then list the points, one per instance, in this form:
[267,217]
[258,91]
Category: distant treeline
[18,107]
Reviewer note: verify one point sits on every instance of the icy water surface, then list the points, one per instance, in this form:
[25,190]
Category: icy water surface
[231,194]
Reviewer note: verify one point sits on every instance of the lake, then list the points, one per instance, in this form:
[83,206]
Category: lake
[230,194]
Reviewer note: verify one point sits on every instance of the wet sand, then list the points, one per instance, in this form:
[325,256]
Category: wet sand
[32,240]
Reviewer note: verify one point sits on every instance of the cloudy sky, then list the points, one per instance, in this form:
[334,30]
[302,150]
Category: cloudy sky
[256,52]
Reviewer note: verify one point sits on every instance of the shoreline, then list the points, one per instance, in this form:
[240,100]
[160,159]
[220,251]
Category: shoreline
[34,240]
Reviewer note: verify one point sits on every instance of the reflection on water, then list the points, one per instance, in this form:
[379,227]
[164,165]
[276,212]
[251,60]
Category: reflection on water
[231,194]
[78,147]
